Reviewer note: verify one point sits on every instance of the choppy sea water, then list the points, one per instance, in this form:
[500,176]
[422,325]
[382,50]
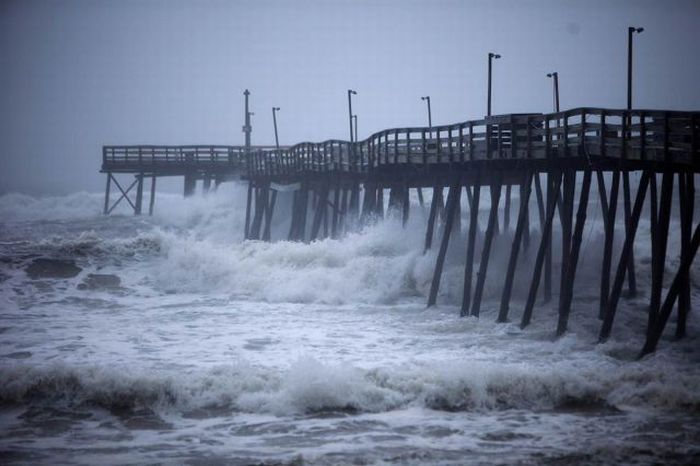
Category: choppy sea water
[168,340]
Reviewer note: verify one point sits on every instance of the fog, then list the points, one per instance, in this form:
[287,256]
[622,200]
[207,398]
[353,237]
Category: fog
[77,75]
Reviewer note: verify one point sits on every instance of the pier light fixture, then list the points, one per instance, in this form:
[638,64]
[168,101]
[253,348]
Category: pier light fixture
[350,94]
[630,32]
[492,56]
[274,121]
[555,76]
[430,117]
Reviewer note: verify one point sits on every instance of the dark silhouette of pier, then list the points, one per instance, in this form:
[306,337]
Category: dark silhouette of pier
[339,185]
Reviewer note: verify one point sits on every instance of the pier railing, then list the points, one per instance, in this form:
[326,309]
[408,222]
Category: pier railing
[642,135]
[638,135]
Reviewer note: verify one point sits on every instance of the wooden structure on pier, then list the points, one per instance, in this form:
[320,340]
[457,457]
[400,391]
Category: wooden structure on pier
[339,184]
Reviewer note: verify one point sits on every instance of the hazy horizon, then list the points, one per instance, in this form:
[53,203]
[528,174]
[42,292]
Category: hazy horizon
[77,75]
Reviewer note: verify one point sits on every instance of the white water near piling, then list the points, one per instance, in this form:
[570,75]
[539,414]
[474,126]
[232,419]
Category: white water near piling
[213,349]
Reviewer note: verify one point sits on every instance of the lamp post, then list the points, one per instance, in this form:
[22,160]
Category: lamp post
[554,75]
[488,104]
[246,127]
[430,117]
[631,278]
[350,93]
[274,121]
[354,117]
[630,32]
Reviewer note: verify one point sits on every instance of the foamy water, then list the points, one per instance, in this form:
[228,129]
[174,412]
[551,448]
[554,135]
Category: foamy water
[211,350]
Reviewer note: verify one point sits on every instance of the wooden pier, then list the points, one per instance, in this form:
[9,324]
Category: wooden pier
[339,185]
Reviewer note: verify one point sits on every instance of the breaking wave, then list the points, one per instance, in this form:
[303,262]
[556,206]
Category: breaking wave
[308,386]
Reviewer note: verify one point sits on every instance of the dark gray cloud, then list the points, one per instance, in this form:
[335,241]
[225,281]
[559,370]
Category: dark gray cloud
[76,75]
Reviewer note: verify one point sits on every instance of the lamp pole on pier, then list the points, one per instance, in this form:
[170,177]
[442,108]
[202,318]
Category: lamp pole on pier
[630,32]
[430,116]
[354,117]
[555,76]
[274,121]
[247,128]
[350,93]
[488,104]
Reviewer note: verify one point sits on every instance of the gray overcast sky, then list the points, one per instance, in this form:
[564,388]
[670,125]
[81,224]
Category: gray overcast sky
[78,74]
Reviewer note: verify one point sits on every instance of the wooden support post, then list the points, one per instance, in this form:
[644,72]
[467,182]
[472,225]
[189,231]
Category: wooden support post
[608,246]
[686,194]
[336,210]
[567,213]
[152,200]
[343,211]
[321,208]
[249,200]
[190,184]
[486,250]
[268,215]
[380,201]
[526,227]
[568,289]
[420,197]
[139,194]
[631,277]
[611,309]
[454,192]
[295,217]
[405,204]
[540,200]
[515,249]
[394,200]
[432,216]
[303,211]
[506,210]
[354,208]
[261,195]
[673,292]
[369,202]
[542,250]
[660,236]
[107,191]
[552,196]
[471,241]
[206,184]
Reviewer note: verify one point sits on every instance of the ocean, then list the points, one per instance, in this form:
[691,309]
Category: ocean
[169,340]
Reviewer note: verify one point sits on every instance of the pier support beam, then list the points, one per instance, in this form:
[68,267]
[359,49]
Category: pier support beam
[270,208]
[542,250]
[654,335]
[139,194]
[455,191]
[471,241]
[572,262]
[515,249]
[435,204]
[486,250]
[660,236]
[686,196]
[631,277]
[608,245]
[152,200]
[611,309]
[107,191]
[190,184]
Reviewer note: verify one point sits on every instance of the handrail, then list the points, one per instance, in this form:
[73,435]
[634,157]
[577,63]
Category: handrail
[625,134]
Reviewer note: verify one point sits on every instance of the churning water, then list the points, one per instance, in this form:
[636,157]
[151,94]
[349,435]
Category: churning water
[168,340]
